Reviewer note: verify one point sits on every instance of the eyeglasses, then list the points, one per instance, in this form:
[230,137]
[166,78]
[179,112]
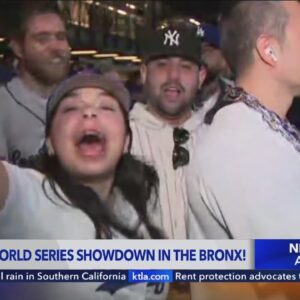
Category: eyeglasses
[181,156]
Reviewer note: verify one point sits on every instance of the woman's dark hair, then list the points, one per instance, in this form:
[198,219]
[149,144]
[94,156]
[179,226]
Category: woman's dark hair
[136,181]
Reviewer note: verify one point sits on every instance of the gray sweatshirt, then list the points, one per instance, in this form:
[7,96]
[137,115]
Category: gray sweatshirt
[22,121]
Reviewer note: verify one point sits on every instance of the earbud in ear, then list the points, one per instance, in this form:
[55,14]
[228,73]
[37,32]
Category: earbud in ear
[270,51]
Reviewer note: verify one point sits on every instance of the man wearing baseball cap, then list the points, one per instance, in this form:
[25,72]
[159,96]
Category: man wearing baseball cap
[164,129]
[219,75]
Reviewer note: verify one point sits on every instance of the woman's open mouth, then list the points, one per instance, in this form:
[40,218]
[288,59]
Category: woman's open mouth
[91,144]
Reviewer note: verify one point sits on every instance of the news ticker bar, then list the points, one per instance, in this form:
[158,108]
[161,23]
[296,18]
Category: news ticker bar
[150,255]
[150,276]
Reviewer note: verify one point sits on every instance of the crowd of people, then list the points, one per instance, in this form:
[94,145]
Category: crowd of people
[207,152]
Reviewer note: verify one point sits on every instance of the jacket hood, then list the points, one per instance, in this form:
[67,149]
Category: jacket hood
[141,115]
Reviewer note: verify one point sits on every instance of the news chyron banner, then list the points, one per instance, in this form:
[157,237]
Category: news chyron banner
[134,261]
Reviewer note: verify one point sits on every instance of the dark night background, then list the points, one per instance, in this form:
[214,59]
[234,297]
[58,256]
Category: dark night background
[202,9]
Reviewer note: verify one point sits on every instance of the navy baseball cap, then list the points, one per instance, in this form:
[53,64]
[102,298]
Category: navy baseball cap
[211,34]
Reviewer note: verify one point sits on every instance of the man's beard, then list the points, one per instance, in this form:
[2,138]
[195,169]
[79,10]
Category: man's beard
[157,103]
[176,112]
[47,73]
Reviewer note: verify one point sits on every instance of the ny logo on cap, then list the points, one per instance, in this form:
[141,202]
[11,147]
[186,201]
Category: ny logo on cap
[172,38]
[200,31]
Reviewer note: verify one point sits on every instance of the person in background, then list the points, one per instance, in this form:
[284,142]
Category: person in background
[135,87]
[76,66]
[164,128]
[84,184]
[219,75]
[294,113]
[7,66]
[40,44]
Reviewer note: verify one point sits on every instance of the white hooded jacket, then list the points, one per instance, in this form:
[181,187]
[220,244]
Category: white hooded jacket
[153,142]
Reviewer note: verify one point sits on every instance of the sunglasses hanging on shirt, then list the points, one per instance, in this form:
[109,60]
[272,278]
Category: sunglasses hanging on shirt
[181,156]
